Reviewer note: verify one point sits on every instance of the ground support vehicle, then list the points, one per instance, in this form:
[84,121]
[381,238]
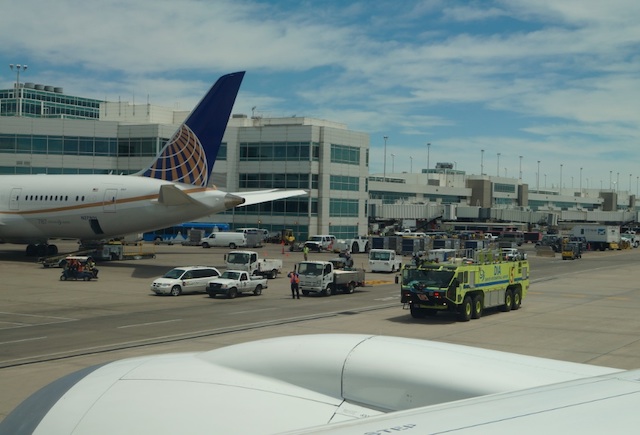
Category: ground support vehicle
[598,237]
[322,277]
[79,268]
[384,260]
[234,282]
[632,238]
[355,245]
[571,250]
[251,262]
[84,275]
[465,287]
[323,242]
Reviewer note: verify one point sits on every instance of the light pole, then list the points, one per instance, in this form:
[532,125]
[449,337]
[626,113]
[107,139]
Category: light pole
[618,182]
[428,155]
[560,178]
[17,93]
[580,181]
[610,182]
[384,173]
[481,162]
[393,163]
[498,171]
[411,165]
[538,177]
[520,167]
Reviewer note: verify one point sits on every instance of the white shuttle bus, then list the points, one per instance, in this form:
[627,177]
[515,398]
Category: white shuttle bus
[384,260]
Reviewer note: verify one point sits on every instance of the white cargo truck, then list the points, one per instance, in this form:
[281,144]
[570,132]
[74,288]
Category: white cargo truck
[251,262]
[321,277]
[598,237]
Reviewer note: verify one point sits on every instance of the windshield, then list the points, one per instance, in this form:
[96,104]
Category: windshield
[238,258]
[315,239]
[310,269]
[384,256]
[428,277]
[230,275]
[174,273]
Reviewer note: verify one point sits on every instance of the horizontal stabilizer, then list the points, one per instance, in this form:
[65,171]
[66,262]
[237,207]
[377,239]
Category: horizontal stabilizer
[170,195]
[258,196]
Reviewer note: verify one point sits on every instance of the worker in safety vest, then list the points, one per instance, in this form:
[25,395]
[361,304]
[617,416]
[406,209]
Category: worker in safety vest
[295,284]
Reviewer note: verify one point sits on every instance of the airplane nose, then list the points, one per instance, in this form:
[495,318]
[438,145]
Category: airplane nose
[231,200]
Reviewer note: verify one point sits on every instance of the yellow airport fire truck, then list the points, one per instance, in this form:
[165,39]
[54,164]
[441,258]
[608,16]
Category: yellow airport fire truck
[465,286]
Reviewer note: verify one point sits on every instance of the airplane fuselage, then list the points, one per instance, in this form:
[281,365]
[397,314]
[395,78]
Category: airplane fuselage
[34,208]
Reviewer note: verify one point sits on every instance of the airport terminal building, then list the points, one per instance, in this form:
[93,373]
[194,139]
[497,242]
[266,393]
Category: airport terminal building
[44,131]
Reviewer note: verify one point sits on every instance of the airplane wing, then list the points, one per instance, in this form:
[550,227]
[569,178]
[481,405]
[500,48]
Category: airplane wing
[258,196]
[335,384]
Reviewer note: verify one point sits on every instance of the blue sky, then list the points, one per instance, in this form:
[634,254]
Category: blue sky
[551,81]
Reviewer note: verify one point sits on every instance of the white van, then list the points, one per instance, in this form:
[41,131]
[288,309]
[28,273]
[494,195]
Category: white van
[231,239]
[187,279]
[384,260]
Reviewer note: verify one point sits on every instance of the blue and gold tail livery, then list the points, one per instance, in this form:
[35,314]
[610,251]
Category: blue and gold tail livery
[189,155]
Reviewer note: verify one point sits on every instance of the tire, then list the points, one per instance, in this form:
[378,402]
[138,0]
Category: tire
[176,290]
[351,287]
[232,293]
[86,278]
[305,292]
[232,245]
[478,306]
[465,310]
[508,301]
[327,291]
[205,245]
[517,300]
[273,274]
[416,311]
[258,290]
[63,278]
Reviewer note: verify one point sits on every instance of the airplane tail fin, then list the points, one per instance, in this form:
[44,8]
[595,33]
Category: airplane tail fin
[188,157]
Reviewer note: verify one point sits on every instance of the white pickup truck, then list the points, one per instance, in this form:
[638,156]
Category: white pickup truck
[321,277]
[251,262]
[232,282]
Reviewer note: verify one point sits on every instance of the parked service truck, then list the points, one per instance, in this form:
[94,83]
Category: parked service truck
[233,282]
[598,237]
[251,262]
[464,286]
[355,245]
[322,277]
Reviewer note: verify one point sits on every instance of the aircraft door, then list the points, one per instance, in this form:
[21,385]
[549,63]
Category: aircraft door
[14,204]
[109,202]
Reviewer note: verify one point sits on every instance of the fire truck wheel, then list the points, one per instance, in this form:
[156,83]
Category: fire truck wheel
[478,305]
[416,311]
[517,300]
[508,301]
[465,310]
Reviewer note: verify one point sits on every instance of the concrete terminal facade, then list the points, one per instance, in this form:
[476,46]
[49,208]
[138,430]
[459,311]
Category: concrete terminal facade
[43,130]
